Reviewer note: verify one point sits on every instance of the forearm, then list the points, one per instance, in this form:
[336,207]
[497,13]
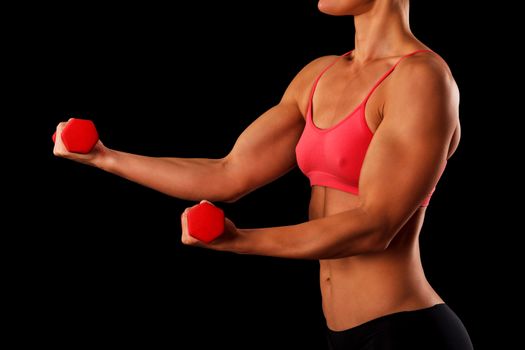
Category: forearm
[185,178]
[346,234]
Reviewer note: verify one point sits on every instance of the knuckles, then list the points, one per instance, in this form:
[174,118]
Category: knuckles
[59,152]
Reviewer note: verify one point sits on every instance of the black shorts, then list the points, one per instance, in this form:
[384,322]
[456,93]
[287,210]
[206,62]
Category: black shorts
[434,328]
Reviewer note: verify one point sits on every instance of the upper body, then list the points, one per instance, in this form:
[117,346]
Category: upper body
[366,240]
[365,286]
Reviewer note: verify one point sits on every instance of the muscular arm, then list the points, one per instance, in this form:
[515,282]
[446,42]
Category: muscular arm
[262,153]
[402,166]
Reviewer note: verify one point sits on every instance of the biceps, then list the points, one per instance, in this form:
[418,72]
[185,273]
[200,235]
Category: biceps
[266,149]
[401,169]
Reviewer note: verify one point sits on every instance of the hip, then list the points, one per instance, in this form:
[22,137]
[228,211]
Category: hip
[354,297]
[433,328]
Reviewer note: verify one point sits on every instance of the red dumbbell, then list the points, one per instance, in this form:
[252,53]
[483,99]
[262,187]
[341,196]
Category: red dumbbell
[205,222]
[79,135]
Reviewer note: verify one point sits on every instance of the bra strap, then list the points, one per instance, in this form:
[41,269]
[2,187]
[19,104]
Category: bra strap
[384,76]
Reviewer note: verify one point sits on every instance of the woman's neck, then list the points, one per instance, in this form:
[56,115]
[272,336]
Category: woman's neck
[383,31]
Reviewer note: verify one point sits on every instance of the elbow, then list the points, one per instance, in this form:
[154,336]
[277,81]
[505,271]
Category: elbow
[374,235]
[232,186]
[232,197]
[370,242]
[382,227]
[229,194]
[377,244]
[236,193]
[380,238]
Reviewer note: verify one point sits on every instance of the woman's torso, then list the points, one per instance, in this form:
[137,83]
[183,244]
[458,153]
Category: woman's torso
[360,288]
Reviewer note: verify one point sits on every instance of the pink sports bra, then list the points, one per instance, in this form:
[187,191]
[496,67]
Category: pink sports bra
[333,157]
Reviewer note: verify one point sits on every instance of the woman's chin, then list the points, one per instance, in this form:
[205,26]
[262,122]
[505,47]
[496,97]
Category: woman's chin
[327,9]
[343,7]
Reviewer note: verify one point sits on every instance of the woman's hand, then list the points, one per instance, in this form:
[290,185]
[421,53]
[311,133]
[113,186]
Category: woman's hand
[93,158]
[228,241]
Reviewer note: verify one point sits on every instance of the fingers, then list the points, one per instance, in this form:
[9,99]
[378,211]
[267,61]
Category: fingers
[59,149]
[185,237]
[184,220]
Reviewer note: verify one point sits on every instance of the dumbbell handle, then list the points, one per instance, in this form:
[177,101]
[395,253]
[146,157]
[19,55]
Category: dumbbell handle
[79,135]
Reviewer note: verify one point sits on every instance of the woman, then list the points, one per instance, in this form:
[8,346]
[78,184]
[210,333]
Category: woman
[372,130]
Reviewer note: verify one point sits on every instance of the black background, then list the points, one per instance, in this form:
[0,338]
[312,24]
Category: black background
[100,256]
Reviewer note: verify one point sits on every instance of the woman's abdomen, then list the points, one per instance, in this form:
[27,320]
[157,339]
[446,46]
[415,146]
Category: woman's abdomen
[360,288]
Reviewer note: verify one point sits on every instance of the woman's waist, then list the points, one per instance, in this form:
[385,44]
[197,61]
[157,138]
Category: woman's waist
[359,275]
[352,298]
[397,262]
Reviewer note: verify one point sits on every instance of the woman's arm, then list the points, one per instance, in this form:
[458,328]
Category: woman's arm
[402,166]
[263,152]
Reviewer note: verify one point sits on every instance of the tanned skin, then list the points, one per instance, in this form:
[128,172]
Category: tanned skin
[367,245]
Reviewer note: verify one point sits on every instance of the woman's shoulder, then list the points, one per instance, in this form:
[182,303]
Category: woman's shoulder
[316,66]
[426,65]
[313,69]
[301,85]
[424,79]
[424,72]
